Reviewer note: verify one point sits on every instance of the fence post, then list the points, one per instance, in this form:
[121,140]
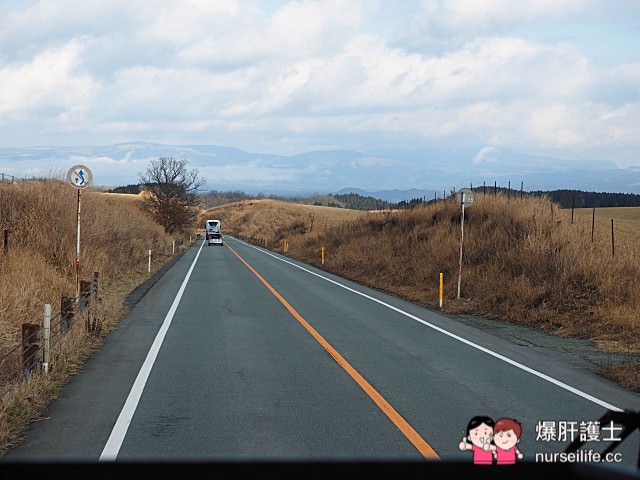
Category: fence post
[46,337]
[66,313]
[85,293]
[613,245]
[94,290]
[30,347]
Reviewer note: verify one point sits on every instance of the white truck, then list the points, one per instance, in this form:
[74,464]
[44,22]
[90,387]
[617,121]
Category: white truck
[214,236]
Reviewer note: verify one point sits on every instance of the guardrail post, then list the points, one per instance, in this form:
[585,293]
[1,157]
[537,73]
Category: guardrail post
[46,337]
[30,347]
[66,313]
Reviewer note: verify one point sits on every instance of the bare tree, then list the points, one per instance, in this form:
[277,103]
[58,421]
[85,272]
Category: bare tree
[172,193]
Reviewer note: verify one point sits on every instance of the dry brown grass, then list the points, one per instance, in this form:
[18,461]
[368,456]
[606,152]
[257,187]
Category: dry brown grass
[130,196]
[524,261]
[40,267]
[29,399]
[275,221]
[626,374]
[626,222]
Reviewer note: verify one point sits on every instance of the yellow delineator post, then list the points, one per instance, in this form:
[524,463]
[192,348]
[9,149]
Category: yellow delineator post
[441,278]
[323,255]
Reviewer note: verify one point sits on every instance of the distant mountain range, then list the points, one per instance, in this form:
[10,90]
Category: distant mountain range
[391,175]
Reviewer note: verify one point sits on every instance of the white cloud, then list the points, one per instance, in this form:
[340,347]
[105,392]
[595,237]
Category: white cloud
[50,80]
[181,23]
[445,24]
[311,74]
[310,27]
[485,155]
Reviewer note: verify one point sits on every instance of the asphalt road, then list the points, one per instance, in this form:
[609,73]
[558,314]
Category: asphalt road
[311,366]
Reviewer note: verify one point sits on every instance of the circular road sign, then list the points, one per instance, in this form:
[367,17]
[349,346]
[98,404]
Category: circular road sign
[465,196]
[79,176]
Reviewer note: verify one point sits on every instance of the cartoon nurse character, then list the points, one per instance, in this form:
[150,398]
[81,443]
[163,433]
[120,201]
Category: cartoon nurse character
[506,435]
[478,439]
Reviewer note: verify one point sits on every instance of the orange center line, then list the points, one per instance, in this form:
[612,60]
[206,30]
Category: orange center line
[407,430]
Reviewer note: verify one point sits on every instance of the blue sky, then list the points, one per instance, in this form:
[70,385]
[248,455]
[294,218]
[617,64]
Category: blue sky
[548,77]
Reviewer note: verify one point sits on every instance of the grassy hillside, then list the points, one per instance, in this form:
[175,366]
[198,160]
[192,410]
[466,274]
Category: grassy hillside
[274,221]
[524,261]
[39,267]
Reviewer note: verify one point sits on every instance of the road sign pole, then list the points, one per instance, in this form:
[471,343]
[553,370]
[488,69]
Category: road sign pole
[465,197]
[79,177]
[78,253]
[461,243]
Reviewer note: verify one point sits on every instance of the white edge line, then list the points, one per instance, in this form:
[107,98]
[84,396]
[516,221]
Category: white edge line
[541,375]
[121,426]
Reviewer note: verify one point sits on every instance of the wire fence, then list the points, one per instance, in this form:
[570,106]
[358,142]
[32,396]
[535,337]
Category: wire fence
[29,355]
[40,342]
[7,178]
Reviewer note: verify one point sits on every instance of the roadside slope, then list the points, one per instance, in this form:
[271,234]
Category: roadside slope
[39,267]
